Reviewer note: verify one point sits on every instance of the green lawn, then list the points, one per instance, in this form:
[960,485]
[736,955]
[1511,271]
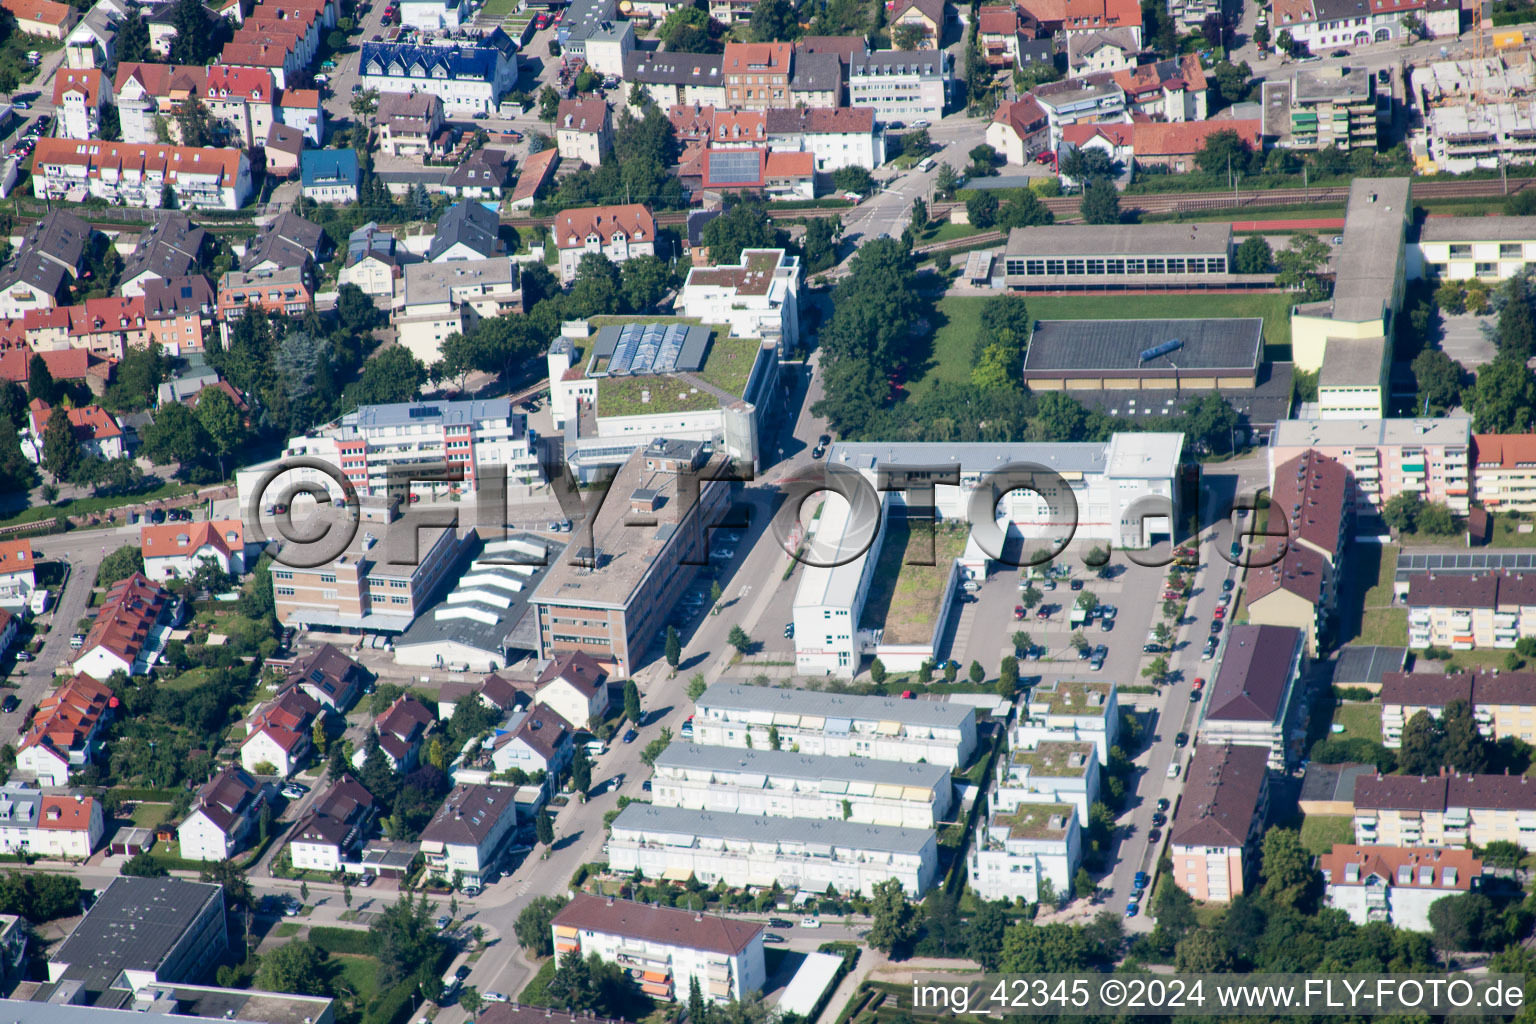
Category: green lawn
[360,974]
[1360,721]
[188,680]
[1506,532]
[536,992]
[1320,831]
[1386,627]
[959,319]
[905,598]
[88,506]
[286,929]
[499,8]
[148,815]
[947,232]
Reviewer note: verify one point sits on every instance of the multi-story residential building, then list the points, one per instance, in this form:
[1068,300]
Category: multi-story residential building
[929,16]
[66,731]
[1504,703]
[328,676]
[466,232]
[78,97]
[838,137]
[1029,852]
[1168,90]
[465,78]
[373,261]
[389,571]
[464,835]
[780,783]
[168,250]
[576,686]
[536,739]
[999,30]
[759,297]
[1050,772]
[1065,710]
[757,74]
[583,130]
[1450,809]
[1387,457]
[617,232]
[283,292]
[1106,481]
[692,79]
[1462,612]
[1504,472]
[443,299]
[335,825]
[408,123]
[135,175]
[611,592]
[1252,703]
[177,550]
[1462,248]
[1216,829]
[402,731]
[1395,884]
[17,573]
[42,18]
[286,242]
[58,825]
[243,102]
[1091,98]
[179,313]
[1329,106]
[223,816]
[667,950]
[129,631]
[1020,131]
[278,733]
[92,43]
[1318,24]
[373,441]
[329,175]
[94,428]
[836,725]
[741,850]
[900,85]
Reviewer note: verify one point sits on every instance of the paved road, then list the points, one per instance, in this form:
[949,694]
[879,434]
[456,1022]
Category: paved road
[888,211]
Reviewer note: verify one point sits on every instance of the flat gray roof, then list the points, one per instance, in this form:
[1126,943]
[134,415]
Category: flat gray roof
[835,705]
[1452,430]
[1353,362]
[642,817]
[1119,344]
[1367,269]
[434,282]
[1342,85]
[134,925]
[1127,454]
[1121,240]
[485,610]
[404,414]
[790,765]
[1478,229]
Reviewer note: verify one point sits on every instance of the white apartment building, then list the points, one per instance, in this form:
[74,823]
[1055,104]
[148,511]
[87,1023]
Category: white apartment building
[441,299]
[759,297]
[1504,472]
[177,550]
[1122,491]
[369,442]
[668,950]
[836,724]
[1462,248]
[797,853]
[465,78]
[838,136]
[1395,884]
[1445,810]
[617,232]
[1015,851]
[431,15]
[1424,456]
[1051,772]
[466,833]
[125,174]
[55,825]
[17,576]
[781,783]
[1070,711]
[900,85]
[1463,612]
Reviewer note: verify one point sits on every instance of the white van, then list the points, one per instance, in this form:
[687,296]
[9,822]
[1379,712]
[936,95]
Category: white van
[926,164]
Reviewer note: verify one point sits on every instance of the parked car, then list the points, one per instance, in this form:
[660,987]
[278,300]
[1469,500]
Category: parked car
[1159,819]
[780,922]
[810,922]
[1131,909]
[1162,803]
[789,631]
[1153,835]
[630,736]
[1181,740]
[1173,770]
[10,703]
[1077,584]
[495,997]
[1227,585]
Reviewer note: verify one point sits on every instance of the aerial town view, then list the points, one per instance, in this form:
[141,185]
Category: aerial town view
[766,511]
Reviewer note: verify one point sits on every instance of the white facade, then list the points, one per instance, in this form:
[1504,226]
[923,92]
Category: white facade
[42,762]
[201,839]
[430,15]
[1462,248]
[1053,772]
[900,86]
[468,830]
[746,851]
[314,855]
[836,725]
[1067,711]
[465,79]
[834,150]
[1015,852]
[784,784]
[260,747]
[375,276]
[759,297]
[1396,884]
[618,249]
[66,826]
[100,662]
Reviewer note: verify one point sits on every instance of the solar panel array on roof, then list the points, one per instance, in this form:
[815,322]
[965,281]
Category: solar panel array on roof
[1471,562]
[733,166]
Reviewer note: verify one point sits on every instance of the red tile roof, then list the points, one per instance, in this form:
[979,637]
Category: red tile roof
[1507,451]
[1092,14]
[1302,572]
[81,80]
[1118,135]
[582,116]
[1450,870]
[772,58]
[132,608]
[573,226]
[44,12]
[998,21]
[662,925]
[1186,138]
[1312,491]
[536,169]
[67,716]
[63,364]
[66,813]
[171,539]
[821,120]
[91,422]
[119,157]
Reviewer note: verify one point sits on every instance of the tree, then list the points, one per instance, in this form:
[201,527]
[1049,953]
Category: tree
[1401,511]
[1517,330]
[133,39]
[1203,951]
[532,927]
[1440,379]
[61,449]
[1261,36]
[1083,885]
[1503,398]
[674,648]
[544,828]
[549,104]
[894,923]
[981,208]
[774,742]
[739,639]
[1418,751]
[1299,263]
[40,383]
[1462,746]
[743,226]
[1253,256]
[632,710]
[1436,519]
[143,865]
[945,181]
[951,670]
[820,243]
[774,21]
[976,672]
[984,159]
[1101,203]
[1085,166]
[908,36]
[1030,596]
[1225,151]
[296,967]
[696,686]
[643,281]
[119,565]
[851,179]
[689,30]
[471,1000]
[1286,870]
[654,749]
[195,41]
[221,421]
[877,672]
[1464,922]
[177,436]
[393,375]
[1234,84]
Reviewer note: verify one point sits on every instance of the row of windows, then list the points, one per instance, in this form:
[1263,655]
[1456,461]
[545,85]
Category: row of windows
[1018,265]
[1507,251]
[566,638]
